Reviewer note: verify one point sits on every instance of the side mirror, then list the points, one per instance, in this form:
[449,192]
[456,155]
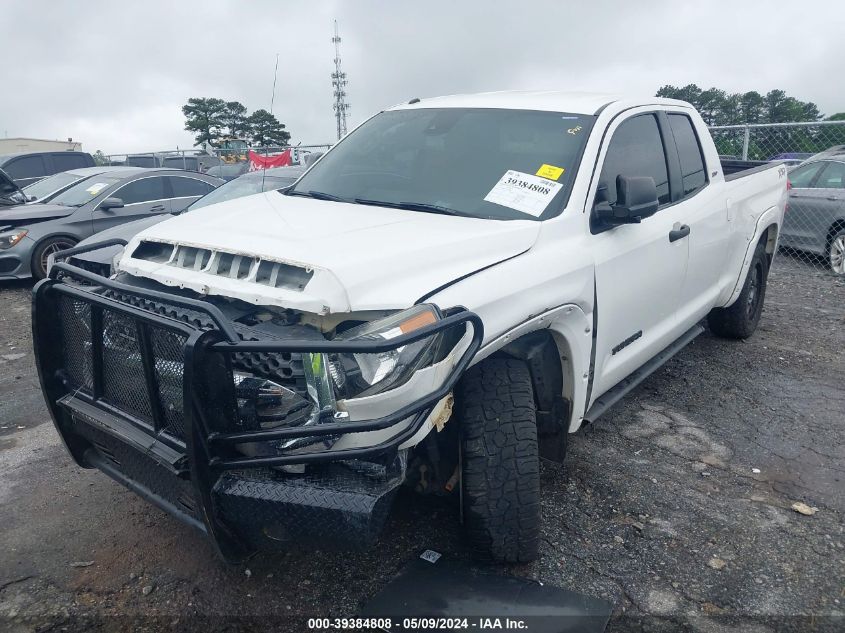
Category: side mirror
[636,198]
[111,203]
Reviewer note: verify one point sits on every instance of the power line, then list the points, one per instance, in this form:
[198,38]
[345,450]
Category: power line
[339,83]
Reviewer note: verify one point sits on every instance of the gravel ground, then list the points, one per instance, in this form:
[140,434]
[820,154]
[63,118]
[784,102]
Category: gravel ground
[675,507]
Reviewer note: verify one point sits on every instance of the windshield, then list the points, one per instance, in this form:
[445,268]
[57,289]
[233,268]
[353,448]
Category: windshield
[43,188]
[243,186]
[486,163]
[85,191]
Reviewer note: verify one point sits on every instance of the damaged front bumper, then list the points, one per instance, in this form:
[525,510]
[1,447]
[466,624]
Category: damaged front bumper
[140,385]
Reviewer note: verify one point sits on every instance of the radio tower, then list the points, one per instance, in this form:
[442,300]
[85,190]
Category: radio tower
[339,83]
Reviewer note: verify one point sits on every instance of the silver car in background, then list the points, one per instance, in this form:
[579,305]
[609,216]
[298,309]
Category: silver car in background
[29,234]
[101,261]
[815,220]
[48,188]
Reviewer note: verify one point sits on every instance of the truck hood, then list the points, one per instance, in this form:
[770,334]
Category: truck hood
[32,214]
[320,256]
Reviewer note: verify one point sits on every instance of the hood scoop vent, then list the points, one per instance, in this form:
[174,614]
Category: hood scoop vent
[222,264]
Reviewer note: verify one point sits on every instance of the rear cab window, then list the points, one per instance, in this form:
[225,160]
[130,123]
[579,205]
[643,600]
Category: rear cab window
[690,154]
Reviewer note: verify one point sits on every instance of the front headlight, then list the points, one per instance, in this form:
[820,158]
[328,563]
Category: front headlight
[358,375]
[8,240]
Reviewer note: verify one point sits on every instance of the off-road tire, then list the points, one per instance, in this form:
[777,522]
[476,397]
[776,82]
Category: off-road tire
[500,467]
[51,244]
[739,320]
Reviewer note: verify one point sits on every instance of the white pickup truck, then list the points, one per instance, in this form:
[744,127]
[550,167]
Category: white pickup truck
[438,301]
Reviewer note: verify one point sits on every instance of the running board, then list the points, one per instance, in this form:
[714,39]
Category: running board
[618,391]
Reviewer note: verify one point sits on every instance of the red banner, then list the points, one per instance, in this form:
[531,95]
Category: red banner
[258,162]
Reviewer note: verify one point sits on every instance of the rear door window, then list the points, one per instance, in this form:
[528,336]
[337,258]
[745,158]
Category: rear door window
[690,155]
[26,167]
[636,149]
[143,190]
[802,177]
[833,176]
[188,187]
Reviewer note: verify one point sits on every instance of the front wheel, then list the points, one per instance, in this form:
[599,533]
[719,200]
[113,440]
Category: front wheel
[740,319]
[500,468]
[836,252]
[46,248]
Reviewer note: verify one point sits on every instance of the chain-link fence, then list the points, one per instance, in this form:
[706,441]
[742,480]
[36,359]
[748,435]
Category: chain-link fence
[201,160]
[813,233]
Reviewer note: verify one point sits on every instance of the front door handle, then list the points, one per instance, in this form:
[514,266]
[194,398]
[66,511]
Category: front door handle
[158,207]
[679,233]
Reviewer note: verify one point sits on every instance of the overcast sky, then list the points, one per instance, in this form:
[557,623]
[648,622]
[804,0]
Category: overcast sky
[114,75]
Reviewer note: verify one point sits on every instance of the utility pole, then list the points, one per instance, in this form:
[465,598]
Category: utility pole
[339,84]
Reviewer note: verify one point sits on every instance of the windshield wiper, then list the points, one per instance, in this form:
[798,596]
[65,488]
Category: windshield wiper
[413,206]
[317,195]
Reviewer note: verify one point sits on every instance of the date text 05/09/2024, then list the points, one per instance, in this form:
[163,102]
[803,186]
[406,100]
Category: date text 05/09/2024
[418,624]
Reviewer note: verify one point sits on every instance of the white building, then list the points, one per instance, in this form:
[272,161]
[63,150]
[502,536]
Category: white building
[21,144]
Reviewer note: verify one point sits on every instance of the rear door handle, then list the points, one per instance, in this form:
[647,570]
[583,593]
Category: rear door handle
[833,198]
[679,233]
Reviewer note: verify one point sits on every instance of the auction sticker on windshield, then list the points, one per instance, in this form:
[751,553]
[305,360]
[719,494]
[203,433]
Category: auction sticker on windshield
[523,192]
[97,188]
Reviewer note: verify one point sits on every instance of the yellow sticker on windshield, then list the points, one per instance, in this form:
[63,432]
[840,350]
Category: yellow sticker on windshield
[550,171]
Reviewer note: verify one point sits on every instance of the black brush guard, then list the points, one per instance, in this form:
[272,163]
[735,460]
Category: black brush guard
[172,438]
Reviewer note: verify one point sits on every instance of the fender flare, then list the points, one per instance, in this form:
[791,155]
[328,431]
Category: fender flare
[770,218]
[571,329]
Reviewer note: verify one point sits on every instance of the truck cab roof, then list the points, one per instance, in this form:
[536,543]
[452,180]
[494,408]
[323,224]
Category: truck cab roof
[589,103]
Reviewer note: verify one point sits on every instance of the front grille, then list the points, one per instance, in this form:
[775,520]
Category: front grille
[285,369]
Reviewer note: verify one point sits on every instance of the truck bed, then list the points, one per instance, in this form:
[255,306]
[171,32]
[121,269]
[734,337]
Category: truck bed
[735,168]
